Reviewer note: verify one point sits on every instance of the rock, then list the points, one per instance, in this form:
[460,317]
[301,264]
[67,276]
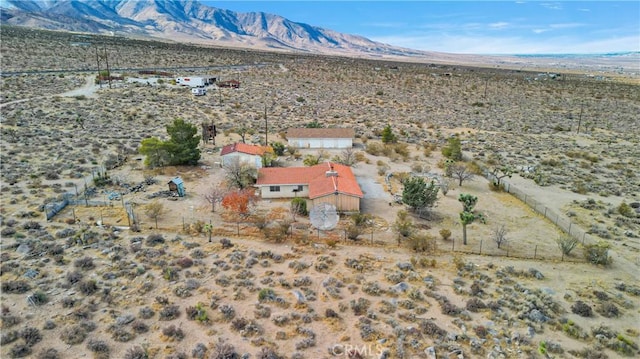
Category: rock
[531,332]
[125,319]
[23,249]
[299,296]
[537,316]
[536,273]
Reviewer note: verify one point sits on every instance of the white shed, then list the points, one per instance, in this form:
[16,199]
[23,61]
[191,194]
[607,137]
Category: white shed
[320,137]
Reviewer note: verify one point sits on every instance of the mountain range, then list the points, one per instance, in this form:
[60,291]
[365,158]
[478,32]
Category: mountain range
[193,22]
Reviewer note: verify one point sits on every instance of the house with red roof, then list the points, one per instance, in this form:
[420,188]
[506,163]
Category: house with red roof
[327,182]
[244,153]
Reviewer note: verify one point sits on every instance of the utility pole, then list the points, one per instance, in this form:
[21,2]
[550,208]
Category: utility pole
[98,61]
[580,117]
[106,58]
[266,127]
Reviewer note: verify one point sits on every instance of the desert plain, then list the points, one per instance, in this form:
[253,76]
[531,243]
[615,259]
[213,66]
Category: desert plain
[89,283]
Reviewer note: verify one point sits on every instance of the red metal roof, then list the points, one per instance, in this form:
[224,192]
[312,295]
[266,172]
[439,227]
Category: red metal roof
[316,177]
[242,148]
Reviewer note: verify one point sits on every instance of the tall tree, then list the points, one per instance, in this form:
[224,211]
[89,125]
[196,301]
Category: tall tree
[468,215]
[419,195]
[183,141]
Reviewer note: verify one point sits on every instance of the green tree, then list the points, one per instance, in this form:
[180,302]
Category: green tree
[468,215]
[180,149]
[388,136]
[418,194]
[403,226]
[183,142]
[156,152]
[278,148]
[453,149]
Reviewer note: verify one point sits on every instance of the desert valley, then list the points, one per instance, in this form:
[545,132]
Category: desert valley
[100,259]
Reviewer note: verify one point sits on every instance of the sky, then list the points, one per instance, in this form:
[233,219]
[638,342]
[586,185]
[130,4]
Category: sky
[473,27]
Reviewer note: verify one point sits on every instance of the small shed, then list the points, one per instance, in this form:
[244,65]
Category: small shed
[176,185]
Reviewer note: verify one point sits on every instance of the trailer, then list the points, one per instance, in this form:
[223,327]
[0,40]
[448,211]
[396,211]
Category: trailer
[199,91]
[191,81]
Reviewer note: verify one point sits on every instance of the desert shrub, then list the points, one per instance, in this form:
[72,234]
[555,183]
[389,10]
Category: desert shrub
[475,305]
[170,274]
[85,263]
[262,312]
[226,243]
[173,333]
[566,244]
[49,325]
[73,335]
[39,298]
[227,311]
[299,205]
[239,324]
[19,351]
[88,287]
[169,312]
[31,225]
[445,233]
[146,313]
[598,253]
[136,352]
[154,239]
[139,326]
[360,306]
[185,262]
[431,329]
[199,351]
[266,294]
[74,277]
[9,320]
[448,308]
[120,334]
[9,337]
[421,242]
[49,353]
[30,335]
[15,286]
[608,309]
[267,353]
[223,350]
[626,210]
[98,346]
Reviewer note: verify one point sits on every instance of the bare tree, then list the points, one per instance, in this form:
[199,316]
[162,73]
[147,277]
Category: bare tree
[215,195]
[347,157]
[154,210]
[461,172]
[500,235]
[239,174]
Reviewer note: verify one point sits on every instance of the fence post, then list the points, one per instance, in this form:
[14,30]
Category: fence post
[569,227]
[453,243]
[583,235]
[545,212]
[183,223]
[480,247]
[535,252]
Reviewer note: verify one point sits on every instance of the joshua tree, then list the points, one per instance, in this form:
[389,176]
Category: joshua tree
[468,215]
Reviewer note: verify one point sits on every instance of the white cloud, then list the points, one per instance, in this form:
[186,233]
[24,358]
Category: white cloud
[539,31]
[552,6]
[499,25]
[510,44]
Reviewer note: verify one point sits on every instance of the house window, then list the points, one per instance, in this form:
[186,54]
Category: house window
[299,188]
[274,188]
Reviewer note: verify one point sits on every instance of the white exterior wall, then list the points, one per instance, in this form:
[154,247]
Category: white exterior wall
[286,191]
[253,160]
[320,142]
[191,81]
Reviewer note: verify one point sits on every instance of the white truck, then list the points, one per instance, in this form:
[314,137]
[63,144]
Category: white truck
[199,91]
[191,81]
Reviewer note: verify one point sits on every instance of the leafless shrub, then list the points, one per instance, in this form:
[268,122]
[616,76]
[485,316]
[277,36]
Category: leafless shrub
[73,335]
[173,332]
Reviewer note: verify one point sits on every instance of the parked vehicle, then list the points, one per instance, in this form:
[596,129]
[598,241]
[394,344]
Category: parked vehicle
[199,91]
